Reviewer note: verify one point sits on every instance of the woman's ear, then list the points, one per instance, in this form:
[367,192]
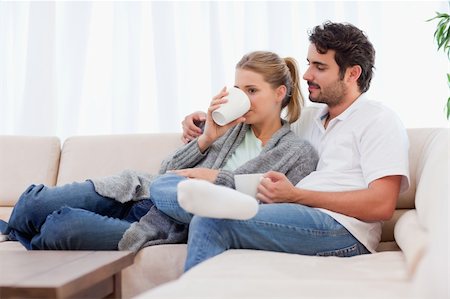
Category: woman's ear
[281,93]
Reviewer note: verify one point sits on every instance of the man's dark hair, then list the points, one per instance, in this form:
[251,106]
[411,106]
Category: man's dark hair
[352,48]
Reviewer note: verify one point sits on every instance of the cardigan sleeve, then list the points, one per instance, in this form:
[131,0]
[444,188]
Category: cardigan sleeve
[306,162]
[187,156]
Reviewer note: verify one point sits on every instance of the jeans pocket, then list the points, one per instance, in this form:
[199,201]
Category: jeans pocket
[344,252]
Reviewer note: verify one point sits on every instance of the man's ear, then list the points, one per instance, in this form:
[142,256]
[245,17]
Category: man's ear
[353,73]
[281,93]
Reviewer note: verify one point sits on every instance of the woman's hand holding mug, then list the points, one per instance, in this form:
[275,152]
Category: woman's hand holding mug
[212,130]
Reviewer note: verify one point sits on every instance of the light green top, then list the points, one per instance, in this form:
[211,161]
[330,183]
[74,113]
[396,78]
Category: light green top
[248,149]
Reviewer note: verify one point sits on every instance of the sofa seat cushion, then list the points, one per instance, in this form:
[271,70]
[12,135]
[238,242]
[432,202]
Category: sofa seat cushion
[11,246]
[5,213]
[258,274]
[153,266]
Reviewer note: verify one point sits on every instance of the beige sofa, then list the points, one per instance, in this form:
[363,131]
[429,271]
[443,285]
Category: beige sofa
[249,273]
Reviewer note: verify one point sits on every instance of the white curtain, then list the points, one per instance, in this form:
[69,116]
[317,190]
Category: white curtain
[82,68]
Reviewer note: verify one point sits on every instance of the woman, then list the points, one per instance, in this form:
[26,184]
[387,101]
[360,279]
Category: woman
[119,212]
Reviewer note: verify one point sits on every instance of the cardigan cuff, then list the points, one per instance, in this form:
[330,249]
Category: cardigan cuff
[225,178]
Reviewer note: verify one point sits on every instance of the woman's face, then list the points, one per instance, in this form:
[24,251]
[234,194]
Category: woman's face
[265,100]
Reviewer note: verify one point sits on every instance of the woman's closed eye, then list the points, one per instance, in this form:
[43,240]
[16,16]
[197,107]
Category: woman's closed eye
[252,90]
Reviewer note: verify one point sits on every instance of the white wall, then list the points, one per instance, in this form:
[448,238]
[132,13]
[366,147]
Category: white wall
[71,68]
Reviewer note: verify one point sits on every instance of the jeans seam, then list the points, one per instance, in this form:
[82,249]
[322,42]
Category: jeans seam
[343,252]
[317,232]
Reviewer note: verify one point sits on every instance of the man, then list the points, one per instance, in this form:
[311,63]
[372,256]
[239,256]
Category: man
[363,164]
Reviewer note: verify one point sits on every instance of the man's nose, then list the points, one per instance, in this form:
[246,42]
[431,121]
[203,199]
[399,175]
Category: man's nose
[307,75]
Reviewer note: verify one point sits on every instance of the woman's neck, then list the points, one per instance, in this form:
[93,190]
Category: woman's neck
[265,130]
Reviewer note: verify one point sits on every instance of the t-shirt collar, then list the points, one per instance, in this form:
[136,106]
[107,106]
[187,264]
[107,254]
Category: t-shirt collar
[322,114]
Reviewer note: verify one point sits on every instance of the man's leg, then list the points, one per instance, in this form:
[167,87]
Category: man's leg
[78,229]
[290,228]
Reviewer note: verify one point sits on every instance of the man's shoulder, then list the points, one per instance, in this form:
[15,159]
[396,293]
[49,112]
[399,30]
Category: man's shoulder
[370,111]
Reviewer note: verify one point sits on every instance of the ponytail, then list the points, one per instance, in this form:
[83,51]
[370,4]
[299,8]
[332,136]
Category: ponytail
[277,71]
[294,100]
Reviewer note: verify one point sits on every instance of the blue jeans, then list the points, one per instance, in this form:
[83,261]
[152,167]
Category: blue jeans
[76,217]
[163,192]
[291,228]
[72,217]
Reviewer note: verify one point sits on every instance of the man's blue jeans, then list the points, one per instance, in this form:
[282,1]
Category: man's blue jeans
[291,228]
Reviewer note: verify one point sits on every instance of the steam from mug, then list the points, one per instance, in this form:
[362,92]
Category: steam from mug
[238,104]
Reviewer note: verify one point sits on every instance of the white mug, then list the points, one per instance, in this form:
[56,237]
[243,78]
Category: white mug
[248,183]
[238,104]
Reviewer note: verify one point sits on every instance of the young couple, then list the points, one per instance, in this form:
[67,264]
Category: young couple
[325,194]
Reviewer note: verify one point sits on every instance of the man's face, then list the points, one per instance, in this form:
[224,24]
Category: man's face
[324,82]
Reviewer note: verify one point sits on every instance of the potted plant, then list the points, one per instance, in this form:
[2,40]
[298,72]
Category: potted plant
[442,37]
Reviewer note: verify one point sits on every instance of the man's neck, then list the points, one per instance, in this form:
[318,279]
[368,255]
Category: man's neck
[341,107]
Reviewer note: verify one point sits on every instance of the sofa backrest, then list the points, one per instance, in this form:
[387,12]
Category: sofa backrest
[420,149]
[84,157]
[23,161]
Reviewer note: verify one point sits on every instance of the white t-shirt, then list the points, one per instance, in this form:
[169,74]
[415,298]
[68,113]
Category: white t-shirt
[364,143]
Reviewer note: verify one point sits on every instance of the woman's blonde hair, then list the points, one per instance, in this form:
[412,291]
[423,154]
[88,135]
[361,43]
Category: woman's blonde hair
[277,71]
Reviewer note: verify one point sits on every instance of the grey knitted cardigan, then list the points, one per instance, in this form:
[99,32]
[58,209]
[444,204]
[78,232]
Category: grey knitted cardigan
[284,152]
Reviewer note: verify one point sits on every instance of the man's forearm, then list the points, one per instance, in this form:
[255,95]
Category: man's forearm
[375,203]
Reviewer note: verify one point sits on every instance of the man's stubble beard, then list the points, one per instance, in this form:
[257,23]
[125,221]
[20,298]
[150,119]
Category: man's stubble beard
[332,95]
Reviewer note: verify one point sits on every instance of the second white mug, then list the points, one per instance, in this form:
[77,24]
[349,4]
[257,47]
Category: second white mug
[248,183]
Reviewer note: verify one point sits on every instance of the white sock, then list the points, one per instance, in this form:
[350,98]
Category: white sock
[205,199]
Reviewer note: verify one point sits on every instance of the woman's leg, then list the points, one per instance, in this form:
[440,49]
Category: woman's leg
[39,201]
[77,229]
[290,228]
[163,193]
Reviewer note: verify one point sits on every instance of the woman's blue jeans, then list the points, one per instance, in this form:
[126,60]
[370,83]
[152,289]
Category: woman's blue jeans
[76,217]
[72,217]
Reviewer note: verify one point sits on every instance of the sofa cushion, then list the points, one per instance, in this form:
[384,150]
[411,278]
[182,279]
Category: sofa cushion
[24,161]
[153,266]
[85,157]
[433,177]
[261,274]
[5,213]
[430,173]
[11,246]
[411,237]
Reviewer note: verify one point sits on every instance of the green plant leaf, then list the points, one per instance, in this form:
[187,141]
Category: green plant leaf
[442,38]
[448,108]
